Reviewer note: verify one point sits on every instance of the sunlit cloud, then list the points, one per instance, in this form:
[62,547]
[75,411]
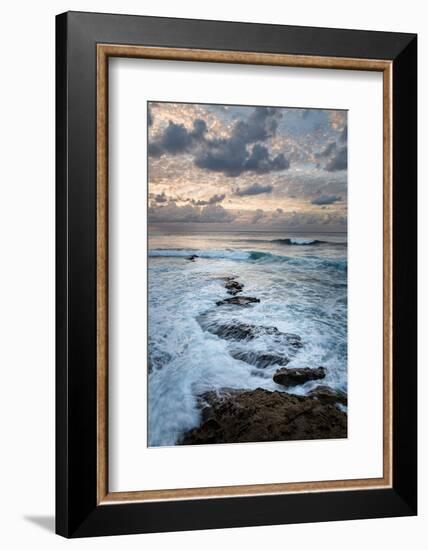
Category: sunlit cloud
[243,166]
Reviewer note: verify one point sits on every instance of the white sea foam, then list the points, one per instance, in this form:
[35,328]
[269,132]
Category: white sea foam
[184,253]
[304,293]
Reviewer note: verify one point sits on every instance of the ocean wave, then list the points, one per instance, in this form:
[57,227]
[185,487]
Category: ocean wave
[306,261]
[295,241]
[208,254]
[255,256]
[302,291]
[304,242]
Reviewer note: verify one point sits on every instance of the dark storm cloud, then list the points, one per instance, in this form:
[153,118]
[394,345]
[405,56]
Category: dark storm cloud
[254,189]
[177,139]
[245,168]
[322,200]
[259,126]
[241,152]
[223,155]
[212,200]
[259,161]
[339,161]
[234,155]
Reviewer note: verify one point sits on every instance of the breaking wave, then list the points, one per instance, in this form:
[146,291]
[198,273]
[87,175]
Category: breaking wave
[302,291]
[250,255]
[295,242]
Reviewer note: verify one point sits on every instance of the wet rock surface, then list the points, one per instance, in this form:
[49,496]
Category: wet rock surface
[233,287]
[260,360]
[192,258]
[293,377]
[292,340]
[239,416]
[329,395]
[236,330]
[238,301]
[230,331]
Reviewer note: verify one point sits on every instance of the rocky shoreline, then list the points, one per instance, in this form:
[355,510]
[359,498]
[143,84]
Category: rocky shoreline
[237,416]
[234,416]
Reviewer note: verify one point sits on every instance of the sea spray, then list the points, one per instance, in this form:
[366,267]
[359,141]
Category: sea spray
[301,292]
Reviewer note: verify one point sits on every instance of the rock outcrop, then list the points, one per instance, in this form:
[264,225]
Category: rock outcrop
[239,416]
[260,360]
[230,331]
[233,287]
[293,377]
[236,330]
[238,301]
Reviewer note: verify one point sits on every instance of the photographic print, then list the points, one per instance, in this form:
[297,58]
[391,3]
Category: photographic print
[247,273]
[205,305]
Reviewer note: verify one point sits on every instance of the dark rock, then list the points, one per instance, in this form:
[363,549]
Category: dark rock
[260,360]
[230,283]
[239,416]
[233,287]
[292,340]
[329,395]
[293,377]
[192,257]
[236,330]
[238,301]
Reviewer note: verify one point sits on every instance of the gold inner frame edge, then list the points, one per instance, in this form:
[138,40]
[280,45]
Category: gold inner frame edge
[104,51]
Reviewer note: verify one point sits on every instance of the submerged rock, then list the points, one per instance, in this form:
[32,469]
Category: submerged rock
[260,360]
[238,301]
[329,395]
[239,416]
[233,287]
[236,330]
[293,377]
[292,340]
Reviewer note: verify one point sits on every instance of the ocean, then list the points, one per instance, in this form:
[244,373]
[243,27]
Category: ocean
[301,281]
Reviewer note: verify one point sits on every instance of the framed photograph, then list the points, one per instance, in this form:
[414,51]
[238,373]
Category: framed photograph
[236,274]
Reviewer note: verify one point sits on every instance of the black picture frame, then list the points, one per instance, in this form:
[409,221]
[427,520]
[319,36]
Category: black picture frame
[77,511]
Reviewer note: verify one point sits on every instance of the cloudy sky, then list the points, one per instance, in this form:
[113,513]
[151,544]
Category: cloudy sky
[217,167]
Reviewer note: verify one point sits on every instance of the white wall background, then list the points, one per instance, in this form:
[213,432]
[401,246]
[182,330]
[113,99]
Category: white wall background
[27,272]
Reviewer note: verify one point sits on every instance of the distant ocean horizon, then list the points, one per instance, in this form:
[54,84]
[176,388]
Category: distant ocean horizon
[300,279]
[155,229]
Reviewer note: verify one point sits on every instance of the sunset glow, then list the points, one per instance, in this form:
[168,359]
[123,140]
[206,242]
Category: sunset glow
[247,168]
